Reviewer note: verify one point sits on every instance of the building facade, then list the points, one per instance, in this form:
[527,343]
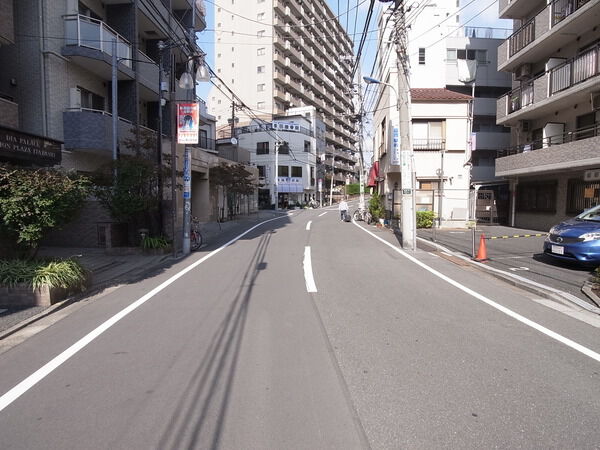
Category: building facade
[553,109]
[292,54]
[57,84]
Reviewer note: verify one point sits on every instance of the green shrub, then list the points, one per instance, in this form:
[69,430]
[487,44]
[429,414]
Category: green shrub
[33,201]
[425,219]
[353,189]
[62,274]
[155,242]
[376,207]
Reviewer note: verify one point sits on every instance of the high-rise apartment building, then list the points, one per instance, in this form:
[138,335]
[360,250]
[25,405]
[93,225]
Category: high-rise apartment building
[276,55]
[552,110]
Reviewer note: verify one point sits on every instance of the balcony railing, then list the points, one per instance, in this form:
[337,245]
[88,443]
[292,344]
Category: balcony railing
[585,66]
[429,144]
[548,141]
[521,38]
[520,97]
[272,126]
[561,9]
[84,31]
[482,32]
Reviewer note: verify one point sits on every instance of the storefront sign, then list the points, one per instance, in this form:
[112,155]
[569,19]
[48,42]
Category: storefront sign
[395,160]
[290,184]
[18,147]
[187,123]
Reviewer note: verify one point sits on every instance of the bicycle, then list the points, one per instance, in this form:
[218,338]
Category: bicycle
[362,214]
[313,204]
[196,238]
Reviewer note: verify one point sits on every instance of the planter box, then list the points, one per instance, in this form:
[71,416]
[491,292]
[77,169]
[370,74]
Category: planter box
[23,295]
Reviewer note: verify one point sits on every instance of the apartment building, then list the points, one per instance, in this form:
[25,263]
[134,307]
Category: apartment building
[277,55]
[552,110]
[455,83]
[57,86]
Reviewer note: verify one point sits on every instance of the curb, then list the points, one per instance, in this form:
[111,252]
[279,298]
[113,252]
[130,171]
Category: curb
[587,290]
[525,284]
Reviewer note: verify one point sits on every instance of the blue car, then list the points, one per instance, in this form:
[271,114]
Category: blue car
[577,239]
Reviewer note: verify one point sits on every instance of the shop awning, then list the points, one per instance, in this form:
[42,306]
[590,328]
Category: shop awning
[373,174]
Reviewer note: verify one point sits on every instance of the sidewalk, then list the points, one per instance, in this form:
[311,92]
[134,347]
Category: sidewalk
[113,270]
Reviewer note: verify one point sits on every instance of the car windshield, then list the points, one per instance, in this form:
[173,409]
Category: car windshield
[592,214]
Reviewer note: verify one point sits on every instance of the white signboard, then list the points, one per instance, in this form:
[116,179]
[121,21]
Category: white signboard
[395,158]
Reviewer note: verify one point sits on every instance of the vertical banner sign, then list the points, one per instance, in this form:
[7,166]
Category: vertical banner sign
[187,123]
[187,174]
[395,148]
[320,184]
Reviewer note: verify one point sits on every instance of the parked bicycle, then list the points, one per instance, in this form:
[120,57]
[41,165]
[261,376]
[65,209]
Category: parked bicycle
[196,237]
[362,214]
[313,204]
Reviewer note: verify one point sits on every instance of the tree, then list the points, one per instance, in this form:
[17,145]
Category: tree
[33,201]
[235,180]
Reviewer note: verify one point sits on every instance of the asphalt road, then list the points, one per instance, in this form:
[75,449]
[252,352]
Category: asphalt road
[306,333]
[523,256]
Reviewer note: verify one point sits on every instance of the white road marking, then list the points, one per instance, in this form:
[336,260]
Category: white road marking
[308,225]
[536,326]
[514,269]
[37,376]
[433,254]
[308,273]
[323,213]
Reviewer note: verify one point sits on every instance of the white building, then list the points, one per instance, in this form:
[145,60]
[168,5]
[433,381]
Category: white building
[284,152]
[445,59]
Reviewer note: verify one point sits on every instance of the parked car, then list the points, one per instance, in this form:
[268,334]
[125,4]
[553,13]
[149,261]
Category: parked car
[576,239]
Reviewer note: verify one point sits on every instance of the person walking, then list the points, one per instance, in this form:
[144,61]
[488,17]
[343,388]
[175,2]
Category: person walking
[343,207]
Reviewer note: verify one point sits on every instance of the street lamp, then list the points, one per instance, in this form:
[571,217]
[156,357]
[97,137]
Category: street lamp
[407,176]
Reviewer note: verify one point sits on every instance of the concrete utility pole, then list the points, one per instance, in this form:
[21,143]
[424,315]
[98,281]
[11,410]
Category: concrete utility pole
[408,226]
[276,176]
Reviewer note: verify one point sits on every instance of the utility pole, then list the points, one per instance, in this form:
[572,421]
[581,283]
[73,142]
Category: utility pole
[276,176]
[408,226]
[232,118]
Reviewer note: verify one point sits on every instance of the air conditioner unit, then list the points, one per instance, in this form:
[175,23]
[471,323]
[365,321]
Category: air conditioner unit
[523,72]
[524,126]
[595,98]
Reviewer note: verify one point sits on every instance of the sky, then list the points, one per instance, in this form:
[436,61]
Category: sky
[355,21]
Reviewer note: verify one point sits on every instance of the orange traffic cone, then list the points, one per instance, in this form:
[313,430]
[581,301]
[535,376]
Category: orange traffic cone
[482,252]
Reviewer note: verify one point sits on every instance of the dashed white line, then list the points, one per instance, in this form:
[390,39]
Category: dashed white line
[308,273]
[323,213]
[17,391]
[308,225]
[536,326]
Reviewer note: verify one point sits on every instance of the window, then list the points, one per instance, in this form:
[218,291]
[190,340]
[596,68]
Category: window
[260,33]
[261,171]
[284,149]
[421,56]
[451,55]
[260,69]
[262,148]
[283,171]
[582,195]
[260,105]
[297,171]
[307,146]
[428,135]
[260,16]
[89,100]
[537,197]
[260,51]
[260,87]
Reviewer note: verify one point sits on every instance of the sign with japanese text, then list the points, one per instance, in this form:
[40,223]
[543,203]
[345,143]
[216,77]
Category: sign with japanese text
[395,159]
[187,123]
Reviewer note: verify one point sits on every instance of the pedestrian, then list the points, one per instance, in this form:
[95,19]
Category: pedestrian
[343,207]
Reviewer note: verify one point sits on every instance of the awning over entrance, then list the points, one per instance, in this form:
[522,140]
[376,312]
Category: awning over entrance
[24,148]
[373,174]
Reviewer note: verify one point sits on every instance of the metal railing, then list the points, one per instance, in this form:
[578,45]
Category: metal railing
[93,33]
[548,141]
[572,72]
[521,38]
[561,9]
[429,144]
[482,32]
[520,97]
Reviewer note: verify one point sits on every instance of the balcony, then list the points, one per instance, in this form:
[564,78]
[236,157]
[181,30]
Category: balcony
[9,113]
[91,130]
[516,9]
[147,70]
[552,28]
[574,150]
[562,86]
[89,43]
